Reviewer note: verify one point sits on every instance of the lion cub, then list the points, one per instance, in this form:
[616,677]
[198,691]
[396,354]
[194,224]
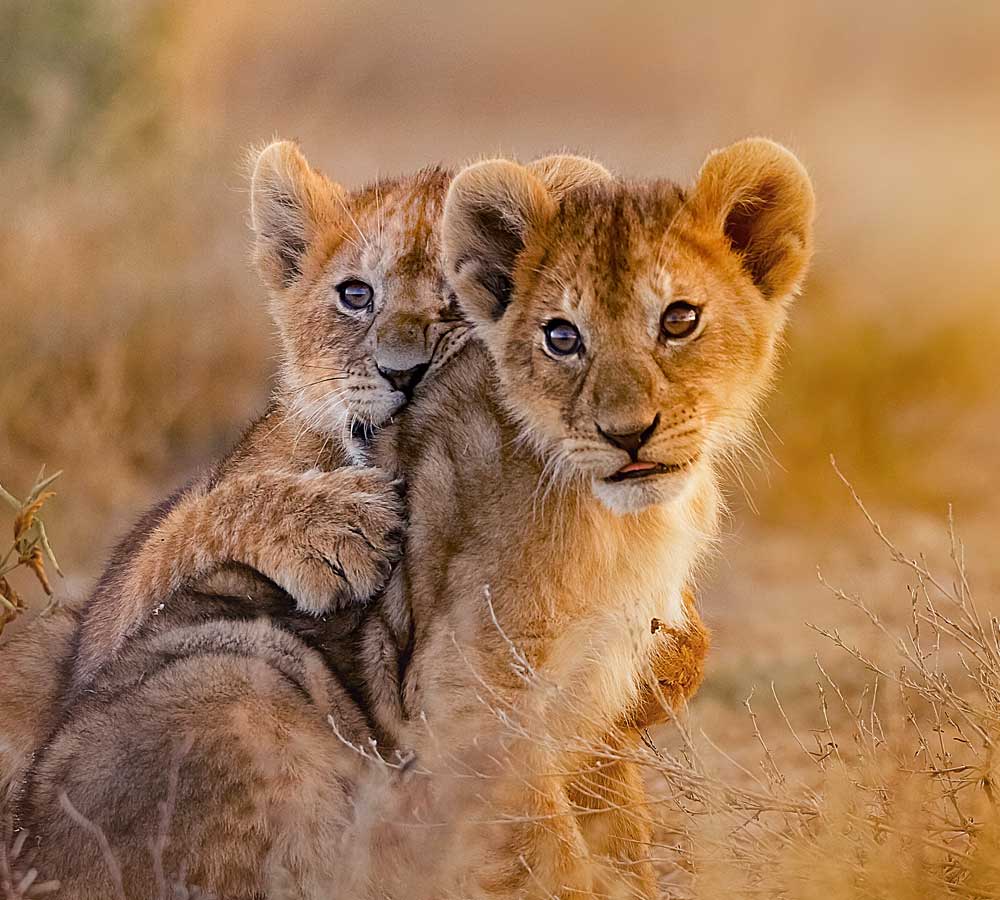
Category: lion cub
[625,333]
[358,297]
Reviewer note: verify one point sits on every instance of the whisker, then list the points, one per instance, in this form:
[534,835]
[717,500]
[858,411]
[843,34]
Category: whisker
[325,380]
[354,222]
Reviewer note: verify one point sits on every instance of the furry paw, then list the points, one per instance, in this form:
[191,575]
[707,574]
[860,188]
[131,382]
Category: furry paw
[332,537]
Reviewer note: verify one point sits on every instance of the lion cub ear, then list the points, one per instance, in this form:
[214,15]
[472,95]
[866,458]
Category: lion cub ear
[563,172]
[490,212]
[757,195]
[290,203]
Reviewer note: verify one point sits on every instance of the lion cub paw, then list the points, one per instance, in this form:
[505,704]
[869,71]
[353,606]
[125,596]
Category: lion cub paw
[333,537]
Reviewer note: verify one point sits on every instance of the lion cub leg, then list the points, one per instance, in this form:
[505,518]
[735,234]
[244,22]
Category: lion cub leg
[676,670]
[615,822]
[545,854]
[327,538]
[217,769]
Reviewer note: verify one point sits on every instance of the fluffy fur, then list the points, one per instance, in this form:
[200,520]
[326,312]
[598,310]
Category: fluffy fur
[288,501]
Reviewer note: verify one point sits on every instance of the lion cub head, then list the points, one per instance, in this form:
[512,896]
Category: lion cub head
[633,325]
[356,285]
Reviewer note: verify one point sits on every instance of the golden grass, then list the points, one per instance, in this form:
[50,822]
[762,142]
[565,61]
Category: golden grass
[894,790]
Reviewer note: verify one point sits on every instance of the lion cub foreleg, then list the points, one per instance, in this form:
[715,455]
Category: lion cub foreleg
[327,538]
[614,821]
[676,670]
[544,853]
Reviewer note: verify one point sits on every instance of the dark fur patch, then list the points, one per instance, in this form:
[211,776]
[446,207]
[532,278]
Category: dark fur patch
[290,252]
[505,241]
[498,283]
[741,228]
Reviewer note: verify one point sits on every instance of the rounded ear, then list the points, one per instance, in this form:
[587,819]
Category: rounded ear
[562,172]
[489,213]
[290,203]
[757,195]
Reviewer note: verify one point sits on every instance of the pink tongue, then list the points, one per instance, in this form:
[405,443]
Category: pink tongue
[637,467]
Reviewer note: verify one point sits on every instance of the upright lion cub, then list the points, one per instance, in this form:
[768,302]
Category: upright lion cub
[626,332]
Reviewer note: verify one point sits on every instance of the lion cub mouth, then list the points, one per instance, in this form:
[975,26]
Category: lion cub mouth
[644,469]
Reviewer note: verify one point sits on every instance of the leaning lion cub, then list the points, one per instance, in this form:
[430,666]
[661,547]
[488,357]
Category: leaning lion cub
[356,294]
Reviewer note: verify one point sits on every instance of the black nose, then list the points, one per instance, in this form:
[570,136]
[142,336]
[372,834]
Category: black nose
[404,380]
[631,441]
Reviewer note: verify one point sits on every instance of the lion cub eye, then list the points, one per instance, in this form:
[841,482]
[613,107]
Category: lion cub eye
[679,320]
[562,338]
[355,295]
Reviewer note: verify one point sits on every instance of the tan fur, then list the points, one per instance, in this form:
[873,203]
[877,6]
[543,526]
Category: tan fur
[34,664]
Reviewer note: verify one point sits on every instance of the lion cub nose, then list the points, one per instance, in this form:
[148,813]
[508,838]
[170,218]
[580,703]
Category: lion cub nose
[404,380]
[631,441]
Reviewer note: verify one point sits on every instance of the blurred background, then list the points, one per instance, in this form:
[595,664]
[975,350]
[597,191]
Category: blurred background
[134,341]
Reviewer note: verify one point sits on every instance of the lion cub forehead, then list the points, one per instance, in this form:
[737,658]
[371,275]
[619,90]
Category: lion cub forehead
[612,238]
[400,219]
[607,211]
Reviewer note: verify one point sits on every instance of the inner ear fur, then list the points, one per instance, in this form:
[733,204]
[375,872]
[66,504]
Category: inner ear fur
[290,202]
[490,210]
[758,196]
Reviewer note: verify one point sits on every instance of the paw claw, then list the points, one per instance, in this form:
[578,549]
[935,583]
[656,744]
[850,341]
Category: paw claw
[336,539]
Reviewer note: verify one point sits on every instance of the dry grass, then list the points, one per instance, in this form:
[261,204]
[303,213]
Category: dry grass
[18,879]
[30,546]
[894,793]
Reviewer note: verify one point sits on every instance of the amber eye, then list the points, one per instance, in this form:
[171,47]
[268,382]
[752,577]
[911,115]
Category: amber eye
[679,320]
[355,295]
[562,338]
